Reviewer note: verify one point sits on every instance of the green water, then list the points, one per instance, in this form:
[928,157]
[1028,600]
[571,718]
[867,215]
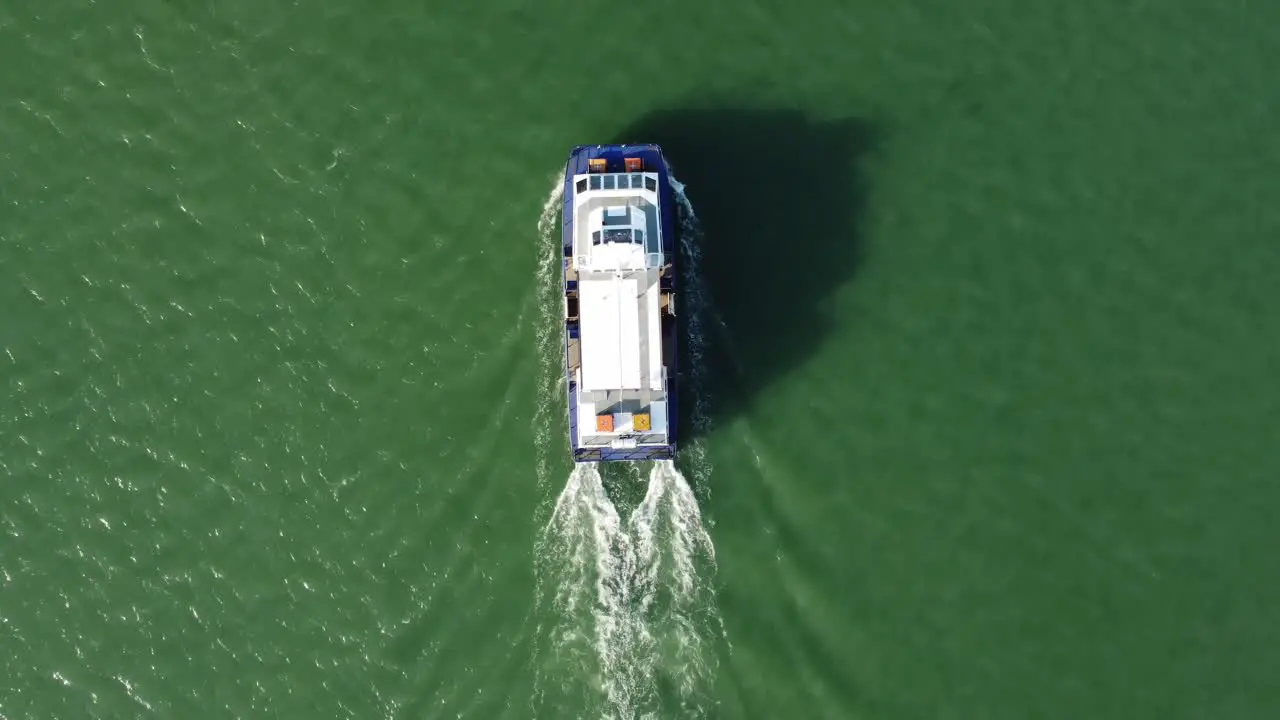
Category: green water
[989,382]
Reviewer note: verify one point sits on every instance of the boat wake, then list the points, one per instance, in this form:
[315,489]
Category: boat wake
[627,612]
[631,613]
[550,335]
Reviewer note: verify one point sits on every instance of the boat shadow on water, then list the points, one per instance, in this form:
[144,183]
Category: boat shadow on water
[778,199]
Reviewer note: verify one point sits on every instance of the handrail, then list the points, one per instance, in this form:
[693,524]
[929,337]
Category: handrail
[652,261]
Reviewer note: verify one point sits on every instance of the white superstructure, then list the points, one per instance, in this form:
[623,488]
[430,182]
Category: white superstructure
[618,262]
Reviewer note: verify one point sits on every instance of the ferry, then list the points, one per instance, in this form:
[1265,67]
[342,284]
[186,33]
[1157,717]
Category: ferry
[618,232]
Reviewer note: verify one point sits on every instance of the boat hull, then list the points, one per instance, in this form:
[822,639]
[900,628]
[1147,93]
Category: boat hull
[614,157]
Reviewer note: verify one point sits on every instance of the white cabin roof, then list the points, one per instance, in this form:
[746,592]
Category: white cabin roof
[620,331]
[617,249]
[615,211]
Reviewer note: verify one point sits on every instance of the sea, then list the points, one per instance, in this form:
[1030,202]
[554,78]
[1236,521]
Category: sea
[982,362]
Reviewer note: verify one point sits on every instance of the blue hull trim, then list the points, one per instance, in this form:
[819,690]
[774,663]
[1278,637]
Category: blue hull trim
[614,156]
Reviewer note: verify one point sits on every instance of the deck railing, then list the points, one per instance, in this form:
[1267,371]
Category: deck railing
[652,261]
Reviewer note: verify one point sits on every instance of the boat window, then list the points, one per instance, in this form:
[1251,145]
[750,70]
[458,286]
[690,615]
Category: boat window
[650,184]
[616,215]
[639,237]
[595,238]
[635,181]
[595,182]
[582,185]
[617,236]
[608,182]
[622,182]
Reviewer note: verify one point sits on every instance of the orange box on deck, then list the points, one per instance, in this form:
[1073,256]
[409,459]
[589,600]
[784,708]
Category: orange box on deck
[604,423]
[596,165]
[634,164]
[640,422]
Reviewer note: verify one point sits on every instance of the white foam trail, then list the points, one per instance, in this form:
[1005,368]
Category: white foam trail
[550,332]
[600,588]
[690,613]
[698,302]
[641,527]
[632,599]
[690,536]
